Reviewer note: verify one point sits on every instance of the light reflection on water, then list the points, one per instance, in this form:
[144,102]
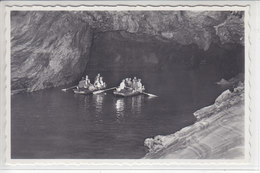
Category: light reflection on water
[132,104]
[136,105]
[99,99]
[120,107]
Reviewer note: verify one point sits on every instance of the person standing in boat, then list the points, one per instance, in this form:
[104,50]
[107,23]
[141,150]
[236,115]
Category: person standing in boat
[97,77]
[87,82]
[102,83]
[97,81]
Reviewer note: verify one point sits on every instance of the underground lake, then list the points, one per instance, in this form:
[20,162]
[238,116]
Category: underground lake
[47,123]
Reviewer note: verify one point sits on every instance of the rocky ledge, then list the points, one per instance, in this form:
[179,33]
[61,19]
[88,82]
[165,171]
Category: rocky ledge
[217,134]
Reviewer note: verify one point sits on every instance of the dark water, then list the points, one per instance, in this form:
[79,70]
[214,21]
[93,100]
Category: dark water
[56,124]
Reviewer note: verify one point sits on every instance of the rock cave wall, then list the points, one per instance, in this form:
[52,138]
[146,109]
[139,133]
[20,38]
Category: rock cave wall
[51,49]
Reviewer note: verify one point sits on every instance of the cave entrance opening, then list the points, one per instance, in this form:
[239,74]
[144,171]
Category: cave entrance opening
[124,52]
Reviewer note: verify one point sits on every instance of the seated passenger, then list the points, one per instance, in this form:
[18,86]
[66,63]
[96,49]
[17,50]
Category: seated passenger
[128,83]
[121,86]
[134,84]
[139,85]
[97,84]
[81,83]
[91,87]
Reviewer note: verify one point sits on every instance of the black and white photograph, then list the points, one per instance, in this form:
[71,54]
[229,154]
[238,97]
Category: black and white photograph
[127,84]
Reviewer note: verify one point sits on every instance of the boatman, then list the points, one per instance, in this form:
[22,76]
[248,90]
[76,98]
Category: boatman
[97,77]
[87,82]
[102,83]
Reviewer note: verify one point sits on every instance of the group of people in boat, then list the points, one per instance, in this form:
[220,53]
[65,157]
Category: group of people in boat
[86,84]
[129,84]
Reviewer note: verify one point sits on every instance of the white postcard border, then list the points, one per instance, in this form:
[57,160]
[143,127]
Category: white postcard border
[109,162]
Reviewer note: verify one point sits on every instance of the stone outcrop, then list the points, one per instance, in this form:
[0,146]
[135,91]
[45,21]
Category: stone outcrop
[52,48]
[231,82]
[217,134]
[231,30]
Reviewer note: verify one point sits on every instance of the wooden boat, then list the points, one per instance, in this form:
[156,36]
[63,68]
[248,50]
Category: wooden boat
[86,91]
[127,93]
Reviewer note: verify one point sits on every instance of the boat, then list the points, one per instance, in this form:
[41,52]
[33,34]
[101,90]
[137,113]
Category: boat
[86,91]
[127,93]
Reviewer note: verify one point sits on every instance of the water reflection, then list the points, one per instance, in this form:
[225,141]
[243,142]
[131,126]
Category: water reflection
[86,103]
[99,100]
[83,104]
[82,101]
[128,106]
[120,110]
[136,105]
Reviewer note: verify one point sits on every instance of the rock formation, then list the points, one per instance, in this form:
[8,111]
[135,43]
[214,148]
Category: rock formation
[47,49]
[217,134]
[52,48]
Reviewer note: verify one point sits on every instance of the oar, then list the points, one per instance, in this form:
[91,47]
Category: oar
[66,89]
[100,91]
[150,95]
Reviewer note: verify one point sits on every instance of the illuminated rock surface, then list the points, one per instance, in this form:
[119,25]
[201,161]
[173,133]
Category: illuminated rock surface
[48,49]
[218,133]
